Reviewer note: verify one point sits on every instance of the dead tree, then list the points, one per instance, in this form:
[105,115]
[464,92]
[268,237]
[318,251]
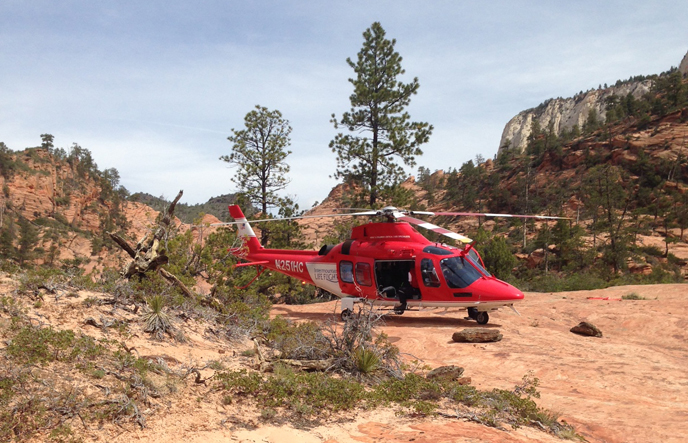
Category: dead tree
[150,253]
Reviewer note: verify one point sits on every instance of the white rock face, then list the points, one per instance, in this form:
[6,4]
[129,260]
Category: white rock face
[683,67]
[564,113]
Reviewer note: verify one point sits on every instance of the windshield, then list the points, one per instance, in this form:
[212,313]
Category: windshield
[475,259]
[459,272]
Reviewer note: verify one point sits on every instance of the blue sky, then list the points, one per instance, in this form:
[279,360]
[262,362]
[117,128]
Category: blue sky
[154,88]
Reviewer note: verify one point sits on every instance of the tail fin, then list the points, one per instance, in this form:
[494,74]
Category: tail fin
[245,231]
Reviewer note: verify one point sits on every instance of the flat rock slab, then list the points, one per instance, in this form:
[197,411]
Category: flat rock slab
[588,329]
[477,335]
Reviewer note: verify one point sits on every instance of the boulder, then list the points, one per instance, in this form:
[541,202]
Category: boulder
[477,335]
[445,373]
[585,328]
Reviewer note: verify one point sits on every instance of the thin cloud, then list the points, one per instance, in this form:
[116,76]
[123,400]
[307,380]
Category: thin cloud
[154,88]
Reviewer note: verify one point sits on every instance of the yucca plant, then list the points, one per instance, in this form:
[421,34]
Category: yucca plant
[366,360]
[155,319]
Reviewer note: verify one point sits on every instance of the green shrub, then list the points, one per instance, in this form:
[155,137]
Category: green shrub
[6,392]
[318,391]
[298,341]
[24,419]
[34,345]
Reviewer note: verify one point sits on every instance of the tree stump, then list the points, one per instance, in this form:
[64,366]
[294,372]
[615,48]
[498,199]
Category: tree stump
[150,253]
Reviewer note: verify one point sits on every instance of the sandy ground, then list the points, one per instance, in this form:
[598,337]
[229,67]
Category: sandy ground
[631,385]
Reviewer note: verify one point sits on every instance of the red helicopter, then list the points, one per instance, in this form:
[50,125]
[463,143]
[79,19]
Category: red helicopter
[390,264]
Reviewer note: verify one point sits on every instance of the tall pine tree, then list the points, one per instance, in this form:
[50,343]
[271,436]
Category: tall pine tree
[380,131]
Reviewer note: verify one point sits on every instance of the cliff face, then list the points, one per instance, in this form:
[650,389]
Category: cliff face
[69,210]
[683,67]
[565,113]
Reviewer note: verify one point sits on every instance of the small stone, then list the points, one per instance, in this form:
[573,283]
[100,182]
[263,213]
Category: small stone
[464,381]
[477,335]
[586,328]
[445,372]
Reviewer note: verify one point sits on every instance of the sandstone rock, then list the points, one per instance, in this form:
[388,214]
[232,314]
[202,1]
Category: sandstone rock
[564,113]
[683,67]
[463,381]
[535,258]
[585,328]
[477,335]
[446,372]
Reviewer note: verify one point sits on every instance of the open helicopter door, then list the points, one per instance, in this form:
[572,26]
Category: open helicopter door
[397,279]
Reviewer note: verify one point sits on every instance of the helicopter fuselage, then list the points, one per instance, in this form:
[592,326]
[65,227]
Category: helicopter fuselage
[388,263]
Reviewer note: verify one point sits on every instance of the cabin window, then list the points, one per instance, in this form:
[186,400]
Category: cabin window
[459,272]
[346,271]
[363,276]
[428,273]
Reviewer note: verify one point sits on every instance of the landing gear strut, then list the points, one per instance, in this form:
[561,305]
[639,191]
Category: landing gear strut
[481,317]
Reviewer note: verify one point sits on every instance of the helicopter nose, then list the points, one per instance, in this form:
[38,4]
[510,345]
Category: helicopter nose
[492,289]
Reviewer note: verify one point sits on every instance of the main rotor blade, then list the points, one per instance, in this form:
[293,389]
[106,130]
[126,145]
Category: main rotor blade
[487,214]
[370,213]
[434,228]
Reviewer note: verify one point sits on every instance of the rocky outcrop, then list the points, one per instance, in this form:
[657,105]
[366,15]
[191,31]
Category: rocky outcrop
[446,373]
[565,113]
[683,67]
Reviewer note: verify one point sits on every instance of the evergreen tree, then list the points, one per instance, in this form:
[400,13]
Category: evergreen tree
[607,198]
[7,235]
[382,132]
[7,164]
[259,151]
[28,238]
[498,257]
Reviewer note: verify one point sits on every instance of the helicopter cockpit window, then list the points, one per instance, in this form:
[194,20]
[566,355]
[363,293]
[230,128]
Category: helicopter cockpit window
[436,250]
[459,272]
[363,277]
[428,273]
[346,271]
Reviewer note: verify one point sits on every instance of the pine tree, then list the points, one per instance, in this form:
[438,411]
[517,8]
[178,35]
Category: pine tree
[381,131]
[259,151]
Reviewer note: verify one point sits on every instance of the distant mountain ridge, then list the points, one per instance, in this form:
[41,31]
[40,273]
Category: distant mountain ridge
[216,206]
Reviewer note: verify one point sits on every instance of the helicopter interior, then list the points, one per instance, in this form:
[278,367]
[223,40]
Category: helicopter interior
[396,279]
